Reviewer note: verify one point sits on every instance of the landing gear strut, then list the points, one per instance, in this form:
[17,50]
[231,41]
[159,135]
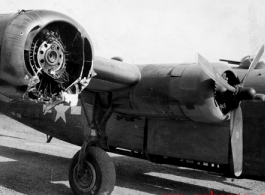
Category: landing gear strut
[92,170]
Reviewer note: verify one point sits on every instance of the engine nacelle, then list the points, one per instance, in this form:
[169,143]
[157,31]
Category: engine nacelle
[180,91]
[44,54]
[198,95]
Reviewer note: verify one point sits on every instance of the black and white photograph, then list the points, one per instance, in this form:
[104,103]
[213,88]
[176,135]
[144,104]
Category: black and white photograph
[131,97]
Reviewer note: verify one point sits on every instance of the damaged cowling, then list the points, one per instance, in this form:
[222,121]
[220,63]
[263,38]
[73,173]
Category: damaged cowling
[45,55]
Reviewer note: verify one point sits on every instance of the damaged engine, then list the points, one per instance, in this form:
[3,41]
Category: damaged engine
[45,55]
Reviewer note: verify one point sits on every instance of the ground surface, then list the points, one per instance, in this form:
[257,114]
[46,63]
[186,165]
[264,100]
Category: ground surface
[28,165]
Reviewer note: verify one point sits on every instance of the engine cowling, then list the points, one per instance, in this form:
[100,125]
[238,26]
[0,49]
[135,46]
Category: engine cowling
[182,92]
[44,54]
[199,95]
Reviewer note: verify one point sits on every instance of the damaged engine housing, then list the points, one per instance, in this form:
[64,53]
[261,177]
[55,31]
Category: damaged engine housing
[44,54]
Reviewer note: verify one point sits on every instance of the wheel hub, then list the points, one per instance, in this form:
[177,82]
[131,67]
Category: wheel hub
[85,177]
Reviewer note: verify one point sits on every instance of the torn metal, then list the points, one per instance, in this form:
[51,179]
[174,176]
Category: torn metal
[58,68]
[46,56]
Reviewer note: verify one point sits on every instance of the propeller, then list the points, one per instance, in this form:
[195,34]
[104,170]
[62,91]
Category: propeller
[239,93]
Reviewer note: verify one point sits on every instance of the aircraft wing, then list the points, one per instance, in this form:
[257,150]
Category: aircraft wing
[112,75]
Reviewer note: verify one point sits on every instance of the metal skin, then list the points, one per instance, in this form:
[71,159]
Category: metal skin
[177,91]
[112,75]
[164,112]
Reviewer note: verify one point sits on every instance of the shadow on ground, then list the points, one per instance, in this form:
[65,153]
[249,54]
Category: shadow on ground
[36,173]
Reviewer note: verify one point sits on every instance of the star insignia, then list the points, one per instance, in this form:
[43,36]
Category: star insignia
[60,112]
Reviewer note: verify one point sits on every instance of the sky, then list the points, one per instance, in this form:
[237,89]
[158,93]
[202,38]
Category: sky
[163,31]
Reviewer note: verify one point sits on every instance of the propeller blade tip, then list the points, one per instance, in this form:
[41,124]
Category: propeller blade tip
[262,48]
[237,174]
[199,57]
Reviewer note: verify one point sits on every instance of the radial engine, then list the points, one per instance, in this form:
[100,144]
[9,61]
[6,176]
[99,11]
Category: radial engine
[45,56]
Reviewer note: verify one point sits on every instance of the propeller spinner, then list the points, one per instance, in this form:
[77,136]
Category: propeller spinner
[239,93]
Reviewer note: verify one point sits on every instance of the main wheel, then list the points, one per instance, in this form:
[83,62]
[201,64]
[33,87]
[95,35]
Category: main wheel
[97,176]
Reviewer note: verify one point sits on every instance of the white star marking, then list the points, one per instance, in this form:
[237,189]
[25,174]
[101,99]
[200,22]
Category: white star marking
[60,112]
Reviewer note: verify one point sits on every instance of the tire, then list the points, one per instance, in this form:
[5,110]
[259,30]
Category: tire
[99,173]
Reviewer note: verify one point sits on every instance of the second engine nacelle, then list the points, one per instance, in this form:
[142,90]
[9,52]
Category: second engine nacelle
[181,91]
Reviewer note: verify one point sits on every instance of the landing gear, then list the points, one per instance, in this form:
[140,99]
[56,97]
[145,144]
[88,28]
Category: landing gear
[96,175]
[92,170]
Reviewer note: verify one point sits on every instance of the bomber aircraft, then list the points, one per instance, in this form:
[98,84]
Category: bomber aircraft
[205,115]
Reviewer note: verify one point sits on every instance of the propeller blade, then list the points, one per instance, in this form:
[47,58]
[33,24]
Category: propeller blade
[259,98]
[236,127]
[209,69]
[253,64]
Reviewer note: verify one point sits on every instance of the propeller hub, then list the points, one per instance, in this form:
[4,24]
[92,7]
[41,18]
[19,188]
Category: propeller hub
[245,93]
